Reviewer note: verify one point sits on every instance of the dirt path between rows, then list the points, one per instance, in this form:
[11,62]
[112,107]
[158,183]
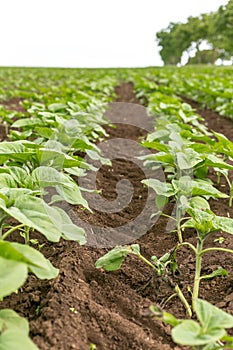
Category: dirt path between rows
[85,305]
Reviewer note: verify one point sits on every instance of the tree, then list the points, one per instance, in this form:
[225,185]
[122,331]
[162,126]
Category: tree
[216,28]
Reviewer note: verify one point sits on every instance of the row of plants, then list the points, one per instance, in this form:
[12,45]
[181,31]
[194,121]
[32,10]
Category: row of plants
[186,151]
[211,87]
[38,161]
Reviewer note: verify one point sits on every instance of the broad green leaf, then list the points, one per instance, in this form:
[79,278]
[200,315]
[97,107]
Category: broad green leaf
[58,159]
[96,156]
[217,162]
[211,317]
[20,175]
[158,134]
[45,176]
[39,265]
[10,319]
[224,223]
[163,157]
[15,150]
[199,203]
[43,131]
[113,260]
[156,145]
[55,107]
[161,201]
[202,187]
[69,230]
[33,212]
[188,160]
[161,188]
[14,332]
[6,180]
[202,221]
[15,260]
[26,122]
[13,274]
[13,339]
[189,332]
[72,194]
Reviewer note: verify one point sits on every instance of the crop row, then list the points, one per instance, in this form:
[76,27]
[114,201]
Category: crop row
[211,87]
[38,161]
[186,152]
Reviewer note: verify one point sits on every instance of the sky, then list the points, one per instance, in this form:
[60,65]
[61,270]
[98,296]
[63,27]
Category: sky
[89,33]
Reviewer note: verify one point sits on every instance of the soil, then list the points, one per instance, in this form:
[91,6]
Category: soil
[13,104]
[110,309]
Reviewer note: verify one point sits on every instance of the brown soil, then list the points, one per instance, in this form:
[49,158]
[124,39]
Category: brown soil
[14,104]
[213,119]
[85,305]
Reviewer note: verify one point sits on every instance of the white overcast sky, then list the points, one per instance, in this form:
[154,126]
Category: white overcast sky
[89,33]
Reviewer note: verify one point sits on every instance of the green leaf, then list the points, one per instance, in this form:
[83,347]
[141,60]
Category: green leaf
[211,317]
[6,180]
[55,107]
[188,160]
[202,187]
[45,176]
[15,260]
[202,221]
[161,188]
[13,274]
[224,223]
[13,339]
[189,332]
[113,260]
[15,150]
[69,230]
[38,264]
[219,272]
[72,194]
[161,201]
[22,123]
[10,319]
[217,162]
[199,203]
[158,134]
[14,332]
[156,145]
[33,212]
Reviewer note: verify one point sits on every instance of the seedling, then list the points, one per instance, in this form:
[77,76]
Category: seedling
[73,310]
[208,333]
[205,222]
[113,260]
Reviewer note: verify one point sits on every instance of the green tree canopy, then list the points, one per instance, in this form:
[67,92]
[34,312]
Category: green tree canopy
[216,28]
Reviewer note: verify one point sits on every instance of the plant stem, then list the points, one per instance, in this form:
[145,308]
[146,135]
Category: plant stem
[178,225]
[183,299]
[199,253]
[169,298]
[230,201]
[147,262]
[168,216]
[27,238]
[190,245]
[217,248]
[7,233]
[177,288]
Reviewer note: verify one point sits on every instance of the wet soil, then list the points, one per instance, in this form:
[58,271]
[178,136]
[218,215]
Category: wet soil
[110,309]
